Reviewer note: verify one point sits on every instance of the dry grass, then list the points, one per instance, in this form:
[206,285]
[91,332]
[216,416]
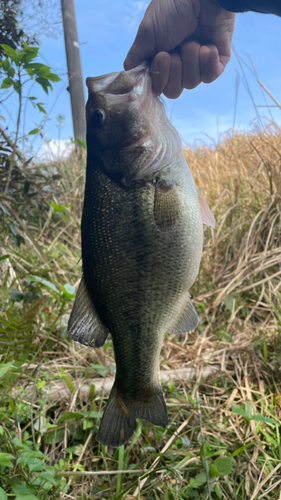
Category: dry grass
[238,297]
[241,179]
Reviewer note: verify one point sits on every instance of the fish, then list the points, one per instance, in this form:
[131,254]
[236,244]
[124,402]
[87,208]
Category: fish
[142,237]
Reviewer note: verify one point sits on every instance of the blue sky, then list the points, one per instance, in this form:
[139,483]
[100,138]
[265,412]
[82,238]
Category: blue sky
[106,30]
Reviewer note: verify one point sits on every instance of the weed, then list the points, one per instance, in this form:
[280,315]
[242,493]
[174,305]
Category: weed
[222,383]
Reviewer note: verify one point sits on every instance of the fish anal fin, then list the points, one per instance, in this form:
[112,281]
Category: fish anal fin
[119,419]
[206,213]
[188,319]
[84,324]
[167,207]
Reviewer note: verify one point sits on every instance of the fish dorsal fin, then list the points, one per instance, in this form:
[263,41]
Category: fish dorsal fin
[188,319]
[84,324]
[206,213]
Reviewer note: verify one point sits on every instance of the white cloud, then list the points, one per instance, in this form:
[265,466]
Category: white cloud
[54,150]
[135,11]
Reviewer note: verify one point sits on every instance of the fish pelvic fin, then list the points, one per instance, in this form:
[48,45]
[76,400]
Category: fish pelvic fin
[84,324]
[188,319]
[119,419]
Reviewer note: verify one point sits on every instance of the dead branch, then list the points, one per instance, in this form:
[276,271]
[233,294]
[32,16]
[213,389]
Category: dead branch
[58,391]
[10,143]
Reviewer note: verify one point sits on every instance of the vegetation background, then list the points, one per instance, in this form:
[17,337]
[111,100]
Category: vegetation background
[222,382]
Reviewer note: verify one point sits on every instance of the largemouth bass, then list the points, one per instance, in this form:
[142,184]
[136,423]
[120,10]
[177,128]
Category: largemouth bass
[142,236]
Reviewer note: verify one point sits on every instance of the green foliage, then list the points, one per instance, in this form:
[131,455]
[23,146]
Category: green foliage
[10,33]
[20,64]
[25,471]
[51,404]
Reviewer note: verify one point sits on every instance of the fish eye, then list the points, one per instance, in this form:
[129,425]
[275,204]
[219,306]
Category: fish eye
[98,117]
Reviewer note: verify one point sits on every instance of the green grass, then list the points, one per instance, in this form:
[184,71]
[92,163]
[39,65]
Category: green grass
[223,440]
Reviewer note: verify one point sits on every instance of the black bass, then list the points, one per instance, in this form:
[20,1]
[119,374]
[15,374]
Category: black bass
[142,236]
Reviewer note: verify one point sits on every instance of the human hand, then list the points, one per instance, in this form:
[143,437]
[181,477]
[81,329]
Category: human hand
[188,42]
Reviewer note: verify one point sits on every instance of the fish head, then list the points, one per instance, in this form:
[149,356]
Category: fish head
[127,126]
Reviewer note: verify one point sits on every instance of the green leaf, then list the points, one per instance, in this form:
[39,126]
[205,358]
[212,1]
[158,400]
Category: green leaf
[239,411]
[41,70]
[23,489]
[17,86]
[7,83]
[16,295]
[218,491]
[87,424]
[102,370]
[26,496]
[17,239]
[12,404]
[59,208]
[94,414]
[92,391]
[30,54]
[248,410]
[40,107]
[261,418]
[223,465]
[199,480]
[5,459]
[45,84]
[80,143]
[47,477]
[11,53]
[48,284]
[34,131]
[67,379]
[11,72]
[70,415]
[29,72]
[3,495]
[66,290]
[4,368]
[4,257]
[53,437]
[213,471]
[36,466]
[26,186]
[241,449]
[53,77]
[70,289]
[6,64]
[34,454]
[265,351]
[229,303]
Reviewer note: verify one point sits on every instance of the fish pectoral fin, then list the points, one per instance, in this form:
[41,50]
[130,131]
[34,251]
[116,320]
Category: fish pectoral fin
[206,213]
[188,319]
[119,419]
[167,207]
[84,324]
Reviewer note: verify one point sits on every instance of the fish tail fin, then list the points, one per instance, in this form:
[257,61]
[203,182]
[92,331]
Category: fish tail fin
[118,422]
[153,408]
[119,419]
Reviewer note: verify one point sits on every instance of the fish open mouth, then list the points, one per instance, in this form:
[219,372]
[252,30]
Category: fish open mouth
[120,87]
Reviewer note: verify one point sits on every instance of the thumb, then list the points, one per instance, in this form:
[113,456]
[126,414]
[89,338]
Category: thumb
[144,46]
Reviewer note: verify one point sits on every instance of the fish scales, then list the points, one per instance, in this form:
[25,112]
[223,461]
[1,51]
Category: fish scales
[141,249]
